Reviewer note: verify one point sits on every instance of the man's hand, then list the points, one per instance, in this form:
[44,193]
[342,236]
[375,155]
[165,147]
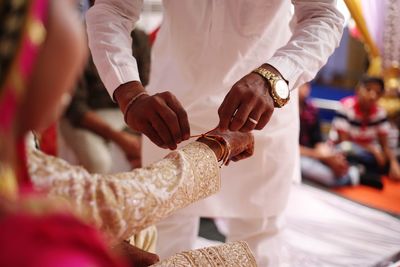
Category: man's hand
[247,106]
[160,117]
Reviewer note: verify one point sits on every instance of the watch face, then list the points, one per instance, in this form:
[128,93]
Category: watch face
[282,89]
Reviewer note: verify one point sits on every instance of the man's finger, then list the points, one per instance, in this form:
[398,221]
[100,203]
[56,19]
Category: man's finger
[239,119]
[264,119]
[153,135]
[227,109]
[171,121]
[253,118]
[183,120]
[162,130]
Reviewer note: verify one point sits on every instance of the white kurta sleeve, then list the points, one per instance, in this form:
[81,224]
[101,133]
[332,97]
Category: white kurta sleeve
[317,29]
[109,26]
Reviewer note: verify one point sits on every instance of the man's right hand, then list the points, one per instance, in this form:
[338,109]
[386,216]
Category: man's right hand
[160,117]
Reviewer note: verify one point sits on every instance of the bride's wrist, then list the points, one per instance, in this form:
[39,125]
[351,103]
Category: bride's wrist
[214,145]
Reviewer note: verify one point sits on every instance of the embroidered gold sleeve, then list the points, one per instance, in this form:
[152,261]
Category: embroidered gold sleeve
[229,254]
[125,203]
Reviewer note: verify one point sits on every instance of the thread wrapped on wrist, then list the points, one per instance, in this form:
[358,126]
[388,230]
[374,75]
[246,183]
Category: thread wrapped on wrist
[130,103]
[223,144]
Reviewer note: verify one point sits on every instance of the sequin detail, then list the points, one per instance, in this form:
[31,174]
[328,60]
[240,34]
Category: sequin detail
[123,204]
[235,254]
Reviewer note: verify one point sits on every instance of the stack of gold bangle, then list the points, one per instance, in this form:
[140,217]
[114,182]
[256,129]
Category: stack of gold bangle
[223,144]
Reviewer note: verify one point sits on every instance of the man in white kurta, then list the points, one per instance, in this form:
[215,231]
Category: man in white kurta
[202,49]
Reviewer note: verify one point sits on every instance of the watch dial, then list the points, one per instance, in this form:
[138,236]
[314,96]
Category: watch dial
[282,89]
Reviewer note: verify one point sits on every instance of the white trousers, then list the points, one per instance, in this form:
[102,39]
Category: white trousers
[178,233]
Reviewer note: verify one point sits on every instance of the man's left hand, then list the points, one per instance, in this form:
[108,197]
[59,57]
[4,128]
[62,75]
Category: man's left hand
[247,106]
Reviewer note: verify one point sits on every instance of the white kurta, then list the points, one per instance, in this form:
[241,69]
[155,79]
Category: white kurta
[202,49]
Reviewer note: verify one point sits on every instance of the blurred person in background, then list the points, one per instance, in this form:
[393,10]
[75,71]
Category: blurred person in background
[93,125]
[320,161]
[362,127]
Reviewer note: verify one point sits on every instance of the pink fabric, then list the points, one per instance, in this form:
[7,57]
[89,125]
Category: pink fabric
[55,240]
[8,103]
[26,58]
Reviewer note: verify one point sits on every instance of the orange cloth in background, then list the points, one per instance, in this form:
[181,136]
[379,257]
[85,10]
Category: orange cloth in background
[387,199]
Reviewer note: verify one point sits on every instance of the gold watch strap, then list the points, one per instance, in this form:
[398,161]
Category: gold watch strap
[267,74]
[272,78]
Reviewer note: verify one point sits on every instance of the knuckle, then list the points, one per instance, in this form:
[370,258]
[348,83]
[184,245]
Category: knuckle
[262,101]
[167,95]
[156,99]
[182,113]
[169,115]
[269,109]
[250,94]
[240,90]
[223,112]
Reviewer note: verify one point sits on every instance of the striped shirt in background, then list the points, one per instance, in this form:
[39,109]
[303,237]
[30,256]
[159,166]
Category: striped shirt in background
[362,131]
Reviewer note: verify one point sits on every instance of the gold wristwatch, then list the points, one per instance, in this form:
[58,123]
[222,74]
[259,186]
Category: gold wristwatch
[278,89]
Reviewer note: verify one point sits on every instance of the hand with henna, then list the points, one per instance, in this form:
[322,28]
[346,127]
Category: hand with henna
[241,145]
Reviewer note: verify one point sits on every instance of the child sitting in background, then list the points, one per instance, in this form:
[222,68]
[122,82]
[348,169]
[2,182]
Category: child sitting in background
[320,161]
[363,128]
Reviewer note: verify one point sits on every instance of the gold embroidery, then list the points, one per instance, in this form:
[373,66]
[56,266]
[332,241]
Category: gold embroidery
[235,254]
[123,204]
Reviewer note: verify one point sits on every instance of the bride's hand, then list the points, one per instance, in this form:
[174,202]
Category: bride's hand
[241,145]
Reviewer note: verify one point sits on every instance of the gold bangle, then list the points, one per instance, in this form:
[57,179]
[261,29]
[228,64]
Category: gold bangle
[219,144]
[226,150]
[130,103]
